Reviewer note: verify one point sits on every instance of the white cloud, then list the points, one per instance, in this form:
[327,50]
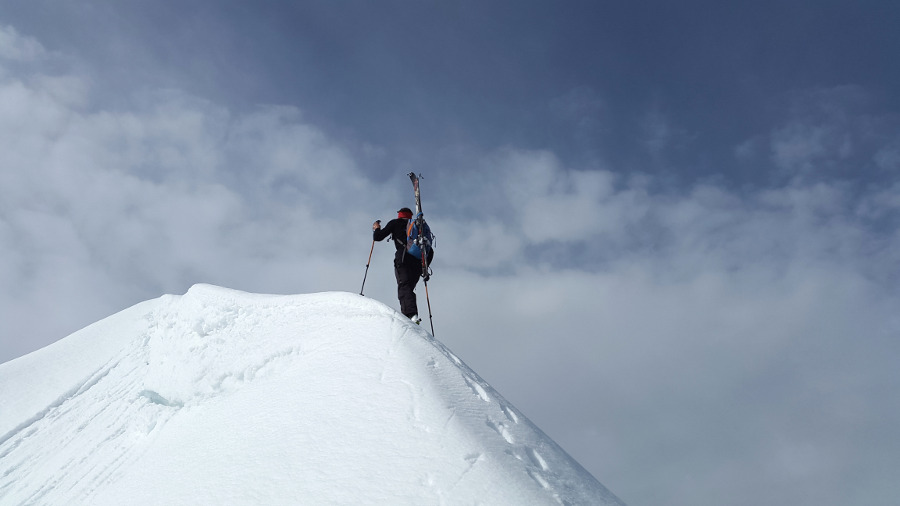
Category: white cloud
[833,133]
[795,147]
[16,47]
[132,203]
[721,324]
[801,147]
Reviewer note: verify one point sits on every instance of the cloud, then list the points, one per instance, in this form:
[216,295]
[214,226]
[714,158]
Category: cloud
[834,132]
[131,203]
[730,355]
[16,47]
[726,333]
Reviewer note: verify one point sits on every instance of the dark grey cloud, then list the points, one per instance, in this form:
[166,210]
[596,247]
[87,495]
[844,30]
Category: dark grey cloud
[414,78]
[667,233]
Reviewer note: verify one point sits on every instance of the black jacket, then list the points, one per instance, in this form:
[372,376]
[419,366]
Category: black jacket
[396,228]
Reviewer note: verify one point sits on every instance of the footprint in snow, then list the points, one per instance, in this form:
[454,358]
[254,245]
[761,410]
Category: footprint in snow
[477,389]
[155,398]
[501,429]
[536,459]
[540,479]
[509,413]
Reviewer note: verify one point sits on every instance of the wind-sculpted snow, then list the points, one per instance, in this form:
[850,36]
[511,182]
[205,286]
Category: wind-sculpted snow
[222,397]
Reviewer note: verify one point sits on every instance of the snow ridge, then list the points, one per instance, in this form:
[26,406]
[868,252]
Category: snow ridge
[220,396]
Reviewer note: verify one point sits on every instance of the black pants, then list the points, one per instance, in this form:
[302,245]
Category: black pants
[408,274]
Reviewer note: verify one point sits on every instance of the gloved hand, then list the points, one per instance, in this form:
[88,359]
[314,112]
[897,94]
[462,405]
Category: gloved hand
[376,225]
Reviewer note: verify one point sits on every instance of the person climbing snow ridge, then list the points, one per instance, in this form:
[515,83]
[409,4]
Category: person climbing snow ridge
[407,268]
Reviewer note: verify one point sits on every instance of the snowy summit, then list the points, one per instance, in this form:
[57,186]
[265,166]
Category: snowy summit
[222,397]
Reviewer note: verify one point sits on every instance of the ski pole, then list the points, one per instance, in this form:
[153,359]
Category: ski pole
[367,268]
[430,319]
[369,261]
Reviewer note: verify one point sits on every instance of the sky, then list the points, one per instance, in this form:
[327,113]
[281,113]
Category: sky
[667,232]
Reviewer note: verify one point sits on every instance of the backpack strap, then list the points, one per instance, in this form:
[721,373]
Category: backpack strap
[402,243]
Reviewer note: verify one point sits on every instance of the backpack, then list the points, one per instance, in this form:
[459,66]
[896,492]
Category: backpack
[417,240]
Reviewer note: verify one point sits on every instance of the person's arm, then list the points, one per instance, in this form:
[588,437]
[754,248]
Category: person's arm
[378,233]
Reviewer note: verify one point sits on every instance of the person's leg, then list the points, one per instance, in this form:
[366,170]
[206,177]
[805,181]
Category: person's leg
[406,285]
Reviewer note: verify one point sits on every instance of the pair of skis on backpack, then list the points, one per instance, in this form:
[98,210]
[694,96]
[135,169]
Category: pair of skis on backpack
[419,238]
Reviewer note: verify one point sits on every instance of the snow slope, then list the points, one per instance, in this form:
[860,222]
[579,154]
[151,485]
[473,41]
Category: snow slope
[223,397]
